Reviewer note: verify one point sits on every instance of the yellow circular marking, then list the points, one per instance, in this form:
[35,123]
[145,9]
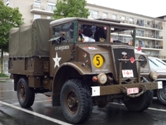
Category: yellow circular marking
[98,61]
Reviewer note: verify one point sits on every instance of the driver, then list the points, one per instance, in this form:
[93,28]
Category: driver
[86,34]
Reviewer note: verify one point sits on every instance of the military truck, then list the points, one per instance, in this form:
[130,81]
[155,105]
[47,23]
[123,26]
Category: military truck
[80,63]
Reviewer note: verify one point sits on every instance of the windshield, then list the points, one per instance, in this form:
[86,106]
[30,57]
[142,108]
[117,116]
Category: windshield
[88,32]
[122,35]
[157,63]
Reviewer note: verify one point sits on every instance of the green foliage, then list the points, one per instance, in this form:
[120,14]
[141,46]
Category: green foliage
[3,75]
[71,8]
[9,18]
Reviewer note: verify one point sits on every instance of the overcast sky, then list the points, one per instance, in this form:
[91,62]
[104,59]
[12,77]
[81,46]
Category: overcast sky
[152,8]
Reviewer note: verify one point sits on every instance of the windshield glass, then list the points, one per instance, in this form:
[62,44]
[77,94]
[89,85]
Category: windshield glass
[122,35]
[156,63]
[88,32]
[63,33]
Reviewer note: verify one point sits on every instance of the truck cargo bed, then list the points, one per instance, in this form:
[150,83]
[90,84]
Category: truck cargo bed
[33,66]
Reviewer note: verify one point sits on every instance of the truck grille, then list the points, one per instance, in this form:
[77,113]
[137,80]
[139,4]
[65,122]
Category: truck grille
[117,52]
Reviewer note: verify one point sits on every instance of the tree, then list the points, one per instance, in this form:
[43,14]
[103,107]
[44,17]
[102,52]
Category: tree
[70,8]
[9,18]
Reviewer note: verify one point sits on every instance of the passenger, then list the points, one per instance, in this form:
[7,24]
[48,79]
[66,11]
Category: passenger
[87,31]
[99,34]
[86,34]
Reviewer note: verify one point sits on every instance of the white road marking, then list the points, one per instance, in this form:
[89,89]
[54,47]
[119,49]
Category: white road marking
[150,108]
[155,109]
[36,114]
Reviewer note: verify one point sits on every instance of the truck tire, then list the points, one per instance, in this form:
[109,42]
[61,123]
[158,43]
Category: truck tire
[25,94]
[140,103]
[161,95]
[76,103]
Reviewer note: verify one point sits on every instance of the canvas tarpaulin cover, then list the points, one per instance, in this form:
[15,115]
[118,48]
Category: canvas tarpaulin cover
[30,39]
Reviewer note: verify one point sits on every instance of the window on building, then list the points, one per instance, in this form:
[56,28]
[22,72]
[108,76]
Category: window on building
[6,2]
[140,22]
[136,43]
[131,20]
[50,6]
[105,15]
[149,33]
[150,44]
[93,14]
[140,32]
[148,22]
[37,3]
[48,17]
[114,16]
[153,53]
[157,34]
[141,43]
[147,52]
[123,18]
[36,16]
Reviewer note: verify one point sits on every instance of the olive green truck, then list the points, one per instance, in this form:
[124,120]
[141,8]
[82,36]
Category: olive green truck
[80,63]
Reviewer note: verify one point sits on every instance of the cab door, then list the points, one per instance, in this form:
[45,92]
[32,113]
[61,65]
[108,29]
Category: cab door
[60,45]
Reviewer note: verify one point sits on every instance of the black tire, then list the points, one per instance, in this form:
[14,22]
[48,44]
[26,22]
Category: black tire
[75,99]
[25,94]
[161,95]
[140,103]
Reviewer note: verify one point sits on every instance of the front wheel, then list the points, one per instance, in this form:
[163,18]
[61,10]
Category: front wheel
[161,95]
[75,101]
[25,94]
[140,103]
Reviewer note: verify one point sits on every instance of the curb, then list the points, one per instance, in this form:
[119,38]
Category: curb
[4,78]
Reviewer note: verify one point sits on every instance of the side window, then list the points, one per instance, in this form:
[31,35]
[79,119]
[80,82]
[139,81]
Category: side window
[63,33]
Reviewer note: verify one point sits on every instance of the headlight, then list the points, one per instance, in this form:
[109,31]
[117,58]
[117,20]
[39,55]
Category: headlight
[153,75]
[144,60]
[102,78]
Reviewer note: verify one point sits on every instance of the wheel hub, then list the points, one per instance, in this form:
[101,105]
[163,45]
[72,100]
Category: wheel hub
[22,92]
[72,102]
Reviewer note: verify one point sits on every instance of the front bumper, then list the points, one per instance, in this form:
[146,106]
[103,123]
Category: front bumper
[120,88]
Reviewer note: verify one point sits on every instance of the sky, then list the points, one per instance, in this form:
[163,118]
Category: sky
[152,8]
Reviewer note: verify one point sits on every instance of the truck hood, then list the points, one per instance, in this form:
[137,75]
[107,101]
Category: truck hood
[93,49]
[161,71]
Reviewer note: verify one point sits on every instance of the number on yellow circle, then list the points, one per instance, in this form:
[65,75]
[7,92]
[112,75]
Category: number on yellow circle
[98,61]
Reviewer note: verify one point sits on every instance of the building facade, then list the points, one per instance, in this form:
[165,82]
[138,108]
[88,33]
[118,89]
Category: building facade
[150,33]
[33,9]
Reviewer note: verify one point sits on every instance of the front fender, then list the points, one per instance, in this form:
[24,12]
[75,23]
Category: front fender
[69,70]
[83,70]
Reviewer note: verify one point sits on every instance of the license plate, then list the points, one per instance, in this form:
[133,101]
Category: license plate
[127,73]
[132,90]
[159,84]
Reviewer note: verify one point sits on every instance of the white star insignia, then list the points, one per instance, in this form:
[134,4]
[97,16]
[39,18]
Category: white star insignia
[56,60]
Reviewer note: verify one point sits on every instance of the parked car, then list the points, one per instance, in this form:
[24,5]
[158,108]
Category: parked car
[159,66]
[154,69]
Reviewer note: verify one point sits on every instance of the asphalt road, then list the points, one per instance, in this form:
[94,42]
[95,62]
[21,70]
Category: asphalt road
[42,112]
